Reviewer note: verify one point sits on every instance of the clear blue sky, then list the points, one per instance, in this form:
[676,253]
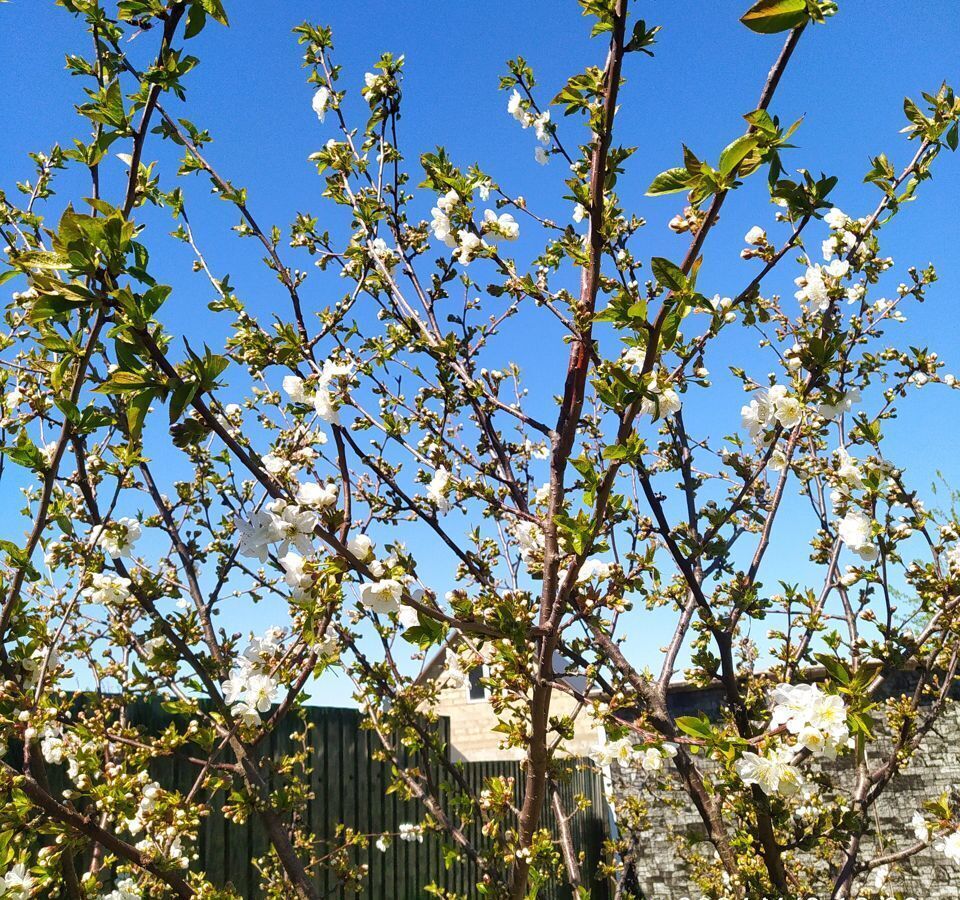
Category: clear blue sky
[848,79]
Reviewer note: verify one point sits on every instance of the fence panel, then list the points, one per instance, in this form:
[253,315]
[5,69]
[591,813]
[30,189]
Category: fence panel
[348,787]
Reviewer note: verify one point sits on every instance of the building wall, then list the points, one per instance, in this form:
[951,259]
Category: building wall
[473,739]
[662,873]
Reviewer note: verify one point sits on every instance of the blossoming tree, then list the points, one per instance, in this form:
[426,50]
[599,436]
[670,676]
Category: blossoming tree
[298,457]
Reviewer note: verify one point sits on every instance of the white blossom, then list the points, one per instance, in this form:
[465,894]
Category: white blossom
[383,596]
[593,569]
[292,525]
[773,773]
[256,534]
[836,219]
[502,226]
[468,243]
[294,576]
[843,405]
[950,846]
[293,387]
[251,688]
[818,719]
[409,617]
[515,106]
[18,883]
[437,489]
[856,531]
[320,100]
[117,539]
[361,547]
[847,469]
[126,889]
[921,829]
[319,496]
[541,126]
[770,407]
[664,402]
[530,540]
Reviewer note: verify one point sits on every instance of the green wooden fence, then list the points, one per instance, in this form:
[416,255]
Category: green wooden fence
[349,788]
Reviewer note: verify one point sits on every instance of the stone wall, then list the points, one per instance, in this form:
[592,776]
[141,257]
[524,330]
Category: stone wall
[662,873]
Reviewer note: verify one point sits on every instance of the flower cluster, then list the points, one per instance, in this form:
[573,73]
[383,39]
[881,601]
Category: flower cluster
[413,834]
[594,569]
[647,759]
[818,720]
[773,772]
[437,490]
[317,390]
[252,687]
[147,804]
[949,846]
[518,108]
[769,407]
[819,723]
[117,539]
[843,240]
[856,527]
[108,590]
[820,284]
[660,401]
[284,523]
[466,241]
[126,889]
[856,531]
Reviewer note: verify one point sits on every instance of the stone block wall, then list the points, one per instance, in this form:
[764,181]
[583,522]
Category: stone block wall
[662,874]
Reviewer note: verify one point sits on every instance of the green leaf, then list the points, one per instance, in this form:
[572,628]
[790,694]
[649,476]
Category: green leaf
[695,726]
[188,432]
[668,274]
[137,408]
[108,107]
[862,724]
[837,670]
[216,11]
[642,38]
[426,633]
[196,19]
[671,181]
[126,382]
[671,326]
[184,392]
[20,559]
[736,152]
[953,137]
[25,453]
[69,409]
[773,16]
[43,259]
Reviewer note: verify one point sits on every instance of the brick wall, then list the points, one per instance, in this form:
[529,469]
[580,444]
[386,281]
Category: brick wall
[473,739]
